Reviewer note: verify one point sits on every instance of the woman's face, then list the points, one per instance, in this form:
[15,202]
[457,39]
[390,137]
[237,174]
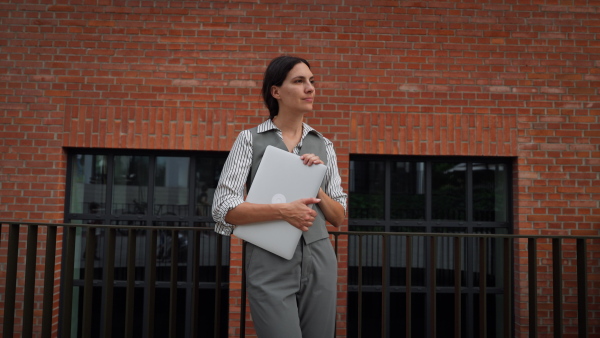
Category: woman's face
[297,92]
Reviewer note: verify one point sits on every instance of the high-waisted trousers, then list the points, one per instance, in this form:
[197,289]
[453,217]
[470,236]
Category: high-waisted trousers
[295,298]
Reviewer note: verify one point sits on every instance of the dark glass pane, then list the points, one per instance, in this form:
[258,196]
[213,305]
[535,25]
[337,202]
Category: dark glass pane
[77,313]
[119,315]
[407,190]
[171,183]
[130,190]
[490,192]
[448,185]
[366,252]
[171,243]
[371,314]
[367,189]
[445,257]
[162,303]
[207,242]
[399,254]
[88,184]
[81,248]
[445,323]
[122,250]
[398,315]
[494,257]
[208,171]
[494,318]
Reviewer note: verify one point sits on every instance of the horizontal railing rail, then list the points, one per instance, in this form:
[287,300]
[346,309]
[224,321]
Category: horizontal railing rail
[25,238]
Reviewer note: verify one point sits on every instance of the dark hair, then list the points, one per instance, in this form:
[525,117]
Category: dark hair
[275,74]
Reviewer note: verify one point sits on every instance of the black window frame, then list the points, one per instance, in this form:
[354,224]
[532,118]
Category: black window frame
[107,217]
[426,225]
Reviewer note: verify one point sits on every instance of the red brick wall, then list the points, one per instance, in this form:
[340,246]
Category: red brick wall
[486,78]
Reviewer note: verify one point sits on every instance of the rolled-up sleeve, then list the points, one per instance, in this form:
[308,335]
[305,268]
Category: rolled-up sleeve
[230,189]
[333,181]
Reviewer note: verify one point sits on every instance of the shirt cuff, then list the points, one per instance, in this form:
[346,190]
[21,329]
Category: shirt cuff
[221,226]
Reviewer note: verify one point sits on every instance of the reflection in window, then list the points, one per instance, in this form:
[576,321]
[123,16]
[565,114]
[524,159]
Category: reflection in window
[207,175]
[489,192]
[399,257]
[130,190]
[448,191]
[494,256]
[171,181]
[88,184]
[367,188]
[408,190]
[445,249]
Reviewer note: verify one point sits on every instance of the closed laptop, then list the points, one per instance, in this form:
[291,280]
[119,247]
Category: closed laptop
[281,177]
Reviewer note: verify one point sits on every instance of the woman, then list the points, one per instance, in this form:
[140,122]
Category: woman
[295,298]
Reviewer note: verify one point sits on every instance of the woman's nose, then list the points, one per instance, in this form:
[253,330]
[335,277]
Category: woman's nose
[310,88]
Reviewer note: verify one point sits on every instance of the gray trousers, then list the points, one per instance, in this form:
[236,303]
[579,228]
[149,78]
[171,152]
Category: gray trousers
[295,298]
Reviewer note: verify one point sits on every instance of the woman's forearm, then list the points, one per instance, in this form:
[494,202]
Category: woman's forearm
[298,213]
[247,213]
[334,212]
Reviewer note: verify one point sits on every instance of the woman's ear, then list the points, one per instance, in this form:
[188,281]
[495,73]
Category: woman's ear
[275,92]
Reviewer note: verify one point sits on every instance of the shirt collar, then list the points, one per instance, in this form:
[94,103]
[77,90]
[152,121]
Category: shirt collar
[269,125]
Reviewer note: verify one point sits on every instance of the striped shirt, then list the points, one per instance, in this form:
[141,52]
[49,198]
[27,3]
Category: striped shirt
[230,190]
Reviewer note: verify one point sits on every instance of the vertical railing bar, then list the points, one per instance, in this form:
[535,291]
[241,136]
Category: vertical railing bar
[335,238]
[433,287]
[482,287]
[408,285]
[360,238]
[384,285]
[49,281]
[582,299]
[150,297]
[508,249]
[109,280]
[11,279]
[195,283]
[218,275]
[29,287]
[243,300]
[90,255]
[130,293]
[557,285]
[532,274]
[173,283]
[67,292]
[457,287]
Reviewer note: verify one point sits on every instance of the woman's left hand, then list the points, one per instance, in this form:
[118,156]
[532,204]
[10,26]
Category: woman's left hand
[310,159]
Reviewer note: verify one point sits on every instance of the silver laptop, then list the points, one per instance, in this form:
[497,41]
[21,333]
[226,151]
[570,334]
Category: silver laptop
[281,177]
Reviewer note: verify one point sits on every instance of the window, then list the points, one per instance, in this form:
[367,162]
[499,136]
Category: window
[427,195]
[148,188]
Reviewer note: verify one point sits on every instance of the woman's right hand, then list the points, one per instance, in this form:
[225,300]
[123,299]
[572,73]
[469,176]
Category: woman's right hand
[299,213]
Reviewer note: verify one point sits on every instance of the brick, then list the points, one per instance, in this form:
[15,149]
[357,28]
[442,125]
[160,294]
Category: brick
[435,78]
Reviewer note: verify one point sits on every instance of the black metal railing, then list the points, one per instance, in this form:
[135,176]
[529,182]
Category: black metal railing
[53,241]
[77,246]
[508,249]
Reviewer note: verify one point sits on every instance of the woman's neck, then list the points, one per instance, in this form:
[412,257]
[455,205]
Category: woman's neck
[291,130]
[289,124]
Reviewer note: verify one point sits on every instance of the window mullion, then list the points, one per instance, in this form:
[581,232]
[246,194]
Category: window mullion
[110,175]
[428,197]
[149,217]
[388,195]
[469,196]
